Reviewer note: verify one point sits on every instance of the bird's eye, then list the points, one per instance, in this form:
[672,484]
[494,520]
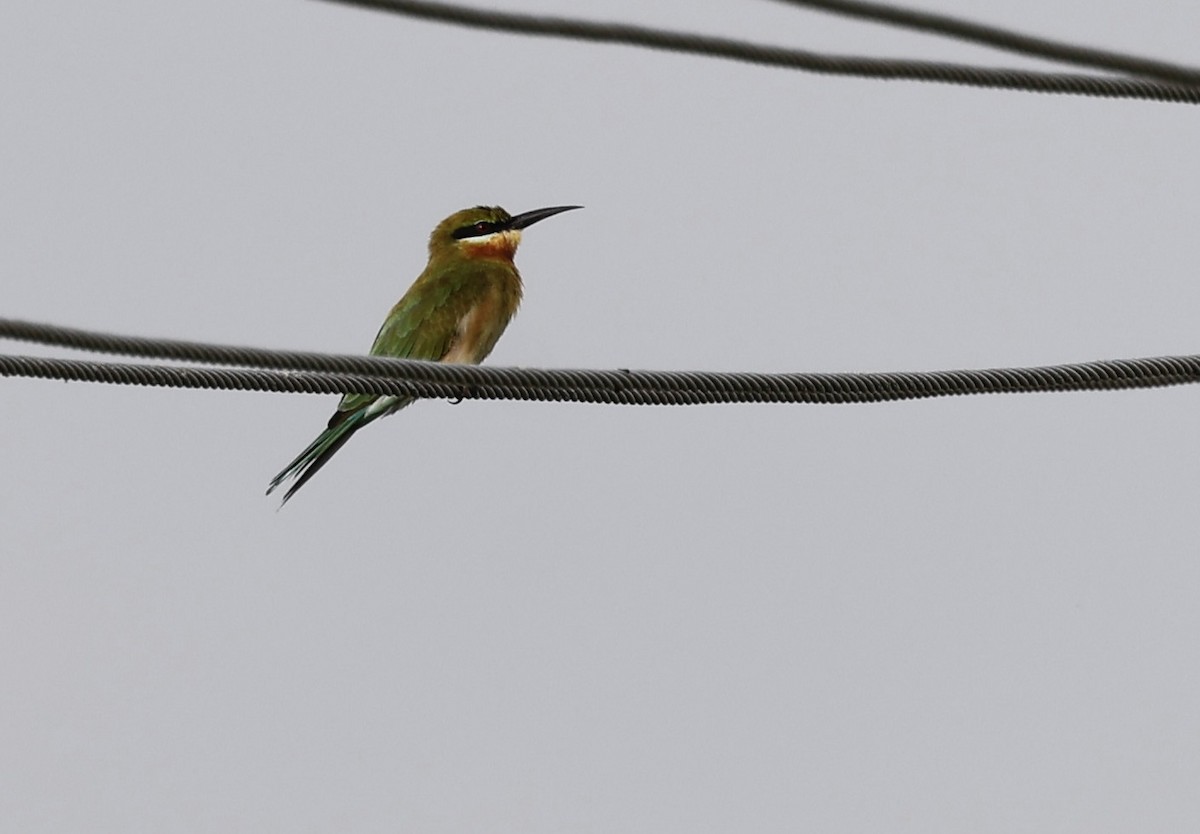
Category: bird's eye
[483,227]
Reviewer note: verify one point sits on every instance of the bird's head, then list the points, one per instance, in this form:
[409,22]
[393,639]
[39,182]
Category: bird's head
[485,231]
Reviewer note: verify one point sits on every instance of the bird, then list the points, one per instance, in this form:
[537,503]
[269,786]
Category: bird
[455,311]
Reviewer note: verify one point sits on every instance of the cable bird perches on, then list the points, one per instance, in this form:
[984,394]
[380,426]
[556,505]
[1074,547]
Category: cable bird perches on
[320,373]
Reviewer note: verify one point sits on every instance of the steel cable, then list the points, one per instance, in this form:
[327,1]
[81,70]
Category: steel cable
[879,68]
[1007,39]
[316,373]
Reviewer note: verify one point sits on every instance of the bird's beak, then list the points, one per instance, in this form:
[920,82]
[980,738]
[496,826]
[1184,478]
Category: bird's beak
[528,218]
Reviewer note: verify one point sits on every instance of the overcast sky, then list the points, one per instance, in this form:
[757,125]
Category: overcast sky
[976,614]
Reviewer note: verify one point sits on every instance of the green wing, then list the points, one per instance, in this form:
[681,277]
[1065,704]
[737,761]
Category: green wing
[422,325]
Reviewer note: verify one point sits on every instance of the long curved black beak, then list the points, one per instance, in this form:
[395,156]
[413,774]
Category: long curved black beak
[528,218]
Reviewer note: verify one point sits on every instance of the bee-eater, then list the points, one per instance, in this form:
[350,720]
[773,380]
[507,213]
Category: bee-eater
[454,312]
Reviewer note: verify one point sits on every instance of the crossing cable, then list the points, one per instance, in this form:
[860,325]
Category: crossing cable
[316,373]
[777,56]
[1007,39]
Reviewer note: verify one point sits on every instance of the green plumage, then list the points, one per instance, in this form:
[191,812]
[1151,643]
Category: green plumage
[455,311]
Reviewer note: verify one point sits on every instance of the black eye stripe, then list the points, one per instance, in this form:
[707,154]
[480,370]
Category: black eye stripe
[483,227]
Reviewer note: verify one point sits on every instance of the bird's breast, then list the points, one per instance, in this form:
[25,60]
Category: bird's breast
[480,327]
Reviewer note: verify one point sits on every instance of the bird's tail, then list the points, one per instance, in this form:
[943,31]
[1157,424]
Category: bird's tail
[341,427]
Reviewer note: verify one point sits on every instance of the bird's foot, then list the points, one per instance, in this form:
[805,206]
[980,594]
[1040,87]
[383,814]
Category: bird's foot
[464,391]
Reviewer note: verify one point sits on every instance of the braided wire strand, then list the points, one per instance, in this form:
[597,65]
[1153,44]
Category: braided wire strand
[776,56]
[316,373]
[1007,39]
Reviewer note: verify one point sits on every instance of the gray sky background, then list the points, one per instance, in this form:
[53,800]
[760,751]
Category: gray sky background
[962,615]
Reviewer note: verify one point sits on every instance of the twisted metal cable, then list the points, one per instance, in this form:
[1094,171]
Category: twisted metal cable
[314,373]
[885,69]
[1007,39]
